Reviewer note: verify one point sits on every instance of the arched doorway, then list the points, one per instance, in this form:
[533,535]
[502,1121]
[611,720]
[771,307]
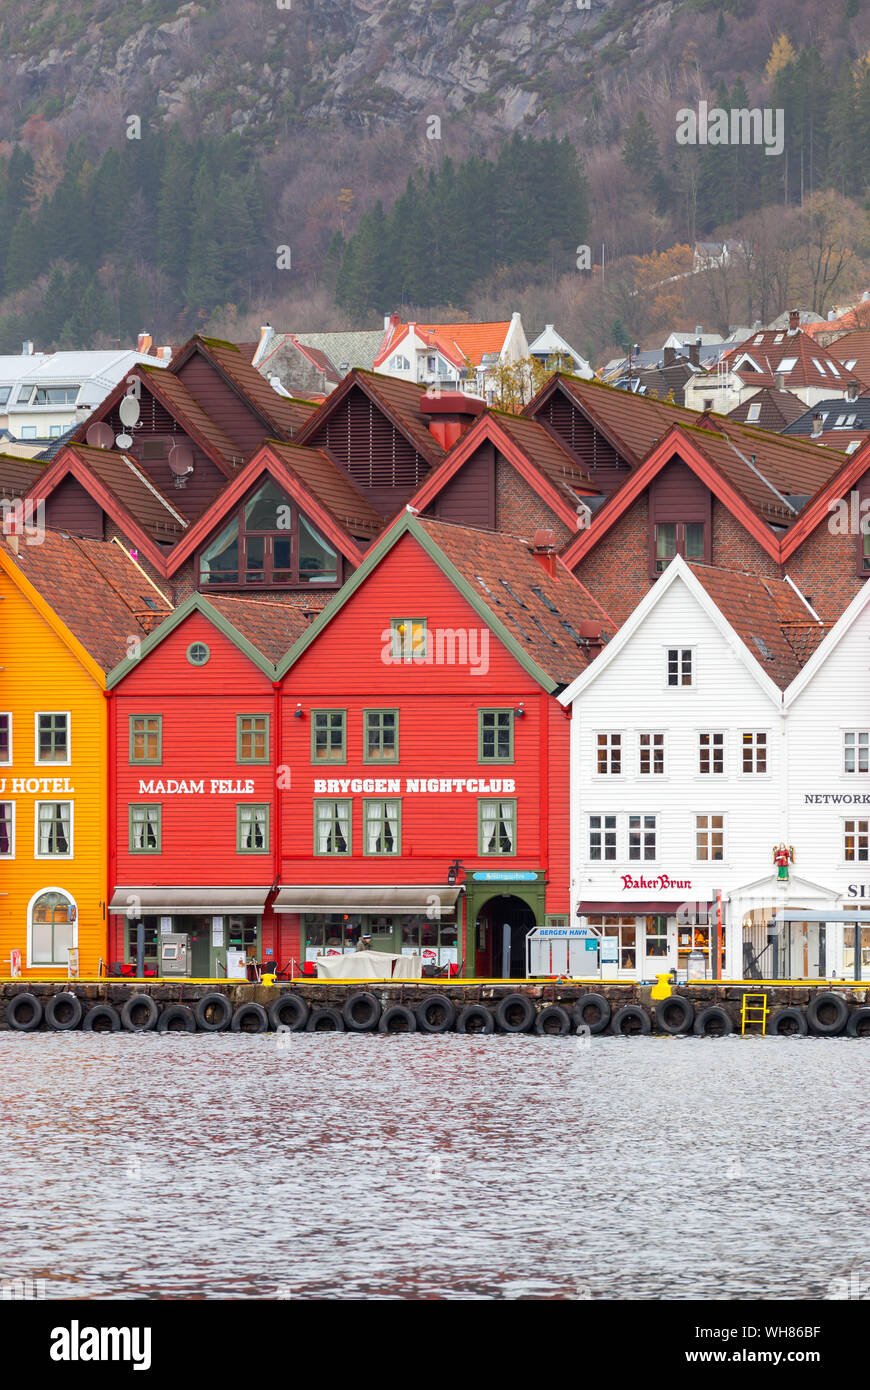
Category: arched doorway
[503,922]
[52,927]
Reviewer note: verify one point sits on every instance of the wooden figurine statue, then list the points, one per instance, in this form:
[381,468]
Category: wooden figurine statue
[783,855]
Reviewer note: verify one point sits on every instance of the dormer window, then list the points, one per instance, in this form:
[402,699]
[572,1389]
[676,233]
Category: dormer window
[786,364]
[269,544]
[753,413]
[672,538]
[398,363]
[54,395]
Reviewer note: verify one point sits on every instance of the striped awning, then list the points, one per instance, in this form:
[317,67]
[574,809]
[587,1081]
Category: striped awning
[390,900]
[171,902]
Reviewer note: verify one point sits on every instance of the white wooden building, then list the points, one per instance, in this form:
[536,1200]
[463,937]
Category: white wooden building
[679,771]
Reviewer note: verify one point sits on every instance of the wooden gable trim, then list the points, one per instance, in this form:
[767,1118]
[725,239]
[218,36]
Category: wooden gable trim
[619,502]
[556,384]
[152,381]
[67,463]
[356,377]
[196,603]
[264,461]
[818,508]
[488,429]
[200,345]
[56,623]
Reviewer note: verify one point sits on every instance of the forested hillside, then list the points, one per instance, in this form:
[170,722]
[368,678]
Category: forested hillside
[167,167]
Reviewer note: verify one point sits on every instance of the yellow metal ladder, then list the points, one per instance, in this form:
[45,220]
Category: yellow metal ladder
[753,1011]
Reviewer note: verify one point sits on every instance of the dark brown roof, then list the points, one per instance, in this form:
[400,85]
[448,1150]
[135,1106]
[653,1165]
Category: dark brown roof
[189,413]
[285,415]
[548,455]
[95,588]
[271,625]
[331,486]
[543,612]
[17,475]
[770,617]
[134,491]
[400,400]
[776,409]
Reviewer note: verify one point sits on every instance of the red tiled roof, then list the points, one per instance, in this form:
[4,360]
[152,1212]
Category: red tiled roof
[854,346]
[769,348]
[95,588]
[543,612]
[545,451]
[271,625]
[141,498]
[457,341]
[775,624]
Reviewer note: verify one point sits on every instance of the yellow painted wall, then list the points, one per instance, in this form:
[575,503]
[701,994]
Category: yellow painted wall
[40,673]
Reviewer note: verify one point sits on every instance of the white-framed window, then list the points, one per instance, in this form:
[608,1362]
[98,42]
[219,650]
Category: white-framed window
[709,838]
[53,830]
[51,733]
[711,753]
[753,413]
[642,837]
[602,837]
[608,754]
[28,431]
[52,927]
[7,829]
[5,737]
[399,363]
[651,754]
[856,750]
[753,751]
[856,841]
[680,666]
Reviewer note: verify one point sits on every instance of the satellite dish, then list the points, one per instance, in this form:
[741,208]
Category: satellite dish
[128,410]
[99,435]
[181,461]
[123,441]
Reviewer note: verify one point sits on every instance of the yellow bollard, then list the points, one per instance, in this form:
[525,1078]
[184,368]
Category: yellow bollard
[663,989]
[267,980]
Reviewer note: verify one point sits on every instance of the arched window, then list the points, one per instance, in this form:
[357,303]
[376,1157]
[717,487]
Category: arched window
[52,927]
[268,544]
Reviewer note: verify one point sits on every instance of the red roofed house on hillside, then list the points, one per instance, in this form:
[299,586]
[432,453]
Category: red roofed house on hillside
[439,353]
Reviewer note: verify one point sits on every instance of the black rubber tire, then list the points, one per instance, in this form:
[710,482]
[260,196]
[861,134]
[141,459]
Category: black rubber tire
[173,1014]
[213,1012]
[289,1012]
[789,1023]
[134,1006]
[827,1014]
[327,1016]
[553,1022]
[595,1005]
[631,1021]
[859,1023]
[436,1014]
[250,1014]
[675,1015]
[63,1012]
[396,1018]
[102,1014]
[478,1016]
[713,1022]
[515,1013]
[30,1010]
[361,1012]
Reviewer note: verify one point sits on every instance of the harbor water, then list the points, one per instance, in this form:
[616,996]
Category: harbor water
[298,1166]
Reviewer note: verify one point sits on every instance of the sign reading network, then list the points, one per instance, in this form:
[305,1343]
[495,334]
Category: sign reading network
[505,875]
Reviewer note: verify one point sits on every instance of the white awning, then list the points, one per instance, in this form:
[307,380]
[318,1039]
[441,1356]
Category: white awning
[389,900]
[171,902]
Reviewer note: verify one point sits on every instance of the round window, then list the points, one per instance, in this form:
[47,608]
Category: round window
[198,653]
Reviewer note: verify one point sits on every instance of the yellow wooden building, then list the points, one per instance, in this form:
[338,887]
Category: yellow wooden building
[69,611]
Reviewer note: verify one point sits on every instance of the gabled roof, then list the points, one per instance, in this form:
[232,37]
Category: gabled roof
[536,454]
[631,424]
[93,588]
[853,348]
[356,347]
[728,598]
[456,341]
[400,401]
[314,482]
[834,411]
[256,628]
[770,410]
[812,365]
[17,475]
[536,616]
[829,644]
[282,415]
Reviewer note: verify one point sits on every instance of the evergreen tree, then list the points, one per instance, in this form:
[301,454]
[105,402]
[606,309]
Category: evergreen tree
[174,209]
[24,260]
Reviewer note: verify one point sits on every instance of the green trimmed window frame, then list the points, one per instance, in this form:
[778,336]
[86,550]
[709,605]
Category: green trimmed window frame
[145,823]
[149,729]
[496,827]
[380,735]
[334,817]
[252,827]
[325,746]
[495,735]
[409,638]
[252,738]
[382,819]
[198,653]
[52,737]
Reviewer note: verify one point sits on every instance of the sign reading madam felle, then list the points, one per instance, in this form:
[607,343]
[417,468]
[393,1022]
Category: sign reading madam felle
[218,786]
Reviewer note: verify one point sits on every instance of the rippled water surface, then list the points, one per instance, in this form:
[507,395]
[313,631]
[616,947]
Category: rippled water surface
[429,1167]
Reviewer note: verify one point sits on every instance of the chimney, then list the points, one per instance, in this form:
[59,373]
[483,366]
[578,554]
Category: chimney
[143,343]
[818,421]
[267,332]
[779,381]
[670,356]
[698,330]
[590,632]
[794,321]
[166,354]
[27,348]
[852,391]
[544,551]
[695,352]
[450,413]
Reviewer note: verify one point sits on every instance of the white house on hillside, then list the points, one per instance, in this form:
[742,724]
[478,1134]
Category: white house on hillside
[453,356]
